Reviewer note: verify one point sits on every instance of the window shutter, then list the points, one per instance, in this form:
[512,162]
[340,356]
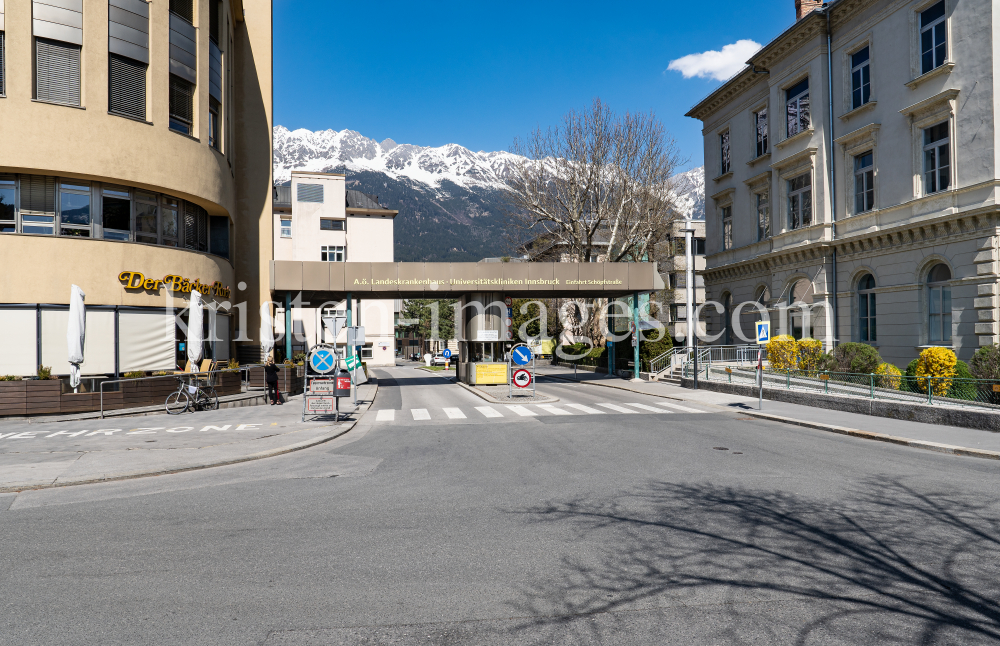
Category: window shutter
[128,87]
[3,85]
[190,226]
[38,193]
[202,229]
[181,95]
[57,72]
[310,193]
[183,8]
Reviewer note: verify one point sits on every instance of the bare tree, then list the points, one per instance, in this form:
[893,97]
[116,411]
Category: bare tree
[598,187]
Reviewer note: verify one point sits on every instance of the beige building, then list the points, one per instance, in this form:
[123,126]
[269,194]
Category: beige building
[316,218]
[672,257]
[855,179]
[137,140]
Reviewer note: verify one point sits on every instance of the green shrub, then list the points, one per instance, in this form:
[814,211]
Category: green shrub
[985,364]
[857,358]
[960,388]
[10,378]
[826,362]
[44,372]
[649,350]
[135,374]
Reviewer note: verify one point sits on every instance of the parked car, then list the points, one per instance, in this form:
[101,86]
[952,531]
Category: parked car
[438,360]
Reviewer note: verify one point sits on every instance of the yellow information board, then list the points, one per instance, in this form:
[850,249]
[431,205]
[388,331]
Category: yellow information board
[491,373]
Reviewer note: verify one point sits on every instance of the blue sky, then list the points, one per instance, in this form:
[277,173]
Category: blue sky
[480,74]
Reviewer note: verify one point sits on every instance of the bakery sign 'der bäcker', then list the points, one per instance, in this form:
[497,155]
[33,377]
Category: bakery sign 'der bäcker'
[173,283]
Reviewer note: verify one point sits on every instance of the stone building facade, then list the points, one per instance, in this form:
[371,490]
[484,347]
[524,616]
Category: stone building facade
[854,189]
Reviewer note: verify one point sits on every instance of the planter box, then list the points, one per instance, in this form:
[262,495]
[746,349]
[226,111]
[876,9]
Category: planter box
[79,402]
[12,397]
[289,379]
[228,383]
[148,392]
[42,396]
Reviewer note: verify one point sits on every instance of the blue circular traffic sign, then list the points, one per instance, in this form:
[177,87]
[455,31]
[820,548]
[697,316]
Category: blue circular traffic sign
[447,353]
[323,360]
[521,355]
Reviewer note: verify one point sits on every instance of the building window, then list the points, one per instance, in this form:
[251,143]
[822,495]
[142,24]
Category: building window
[38,204]
[937,164]
[763,215]
[331,225]
[169,208]
[760,126]
[214,129]
[116,213]
[800,201]
[866,309]
[181,105]
[57,72]
[800,294]
[3,85]
[8,213]
[861,78]
[286,227]
[933,38]
[74,209]
[333,254]
[146,225]
[727,227]
[864,182]
[218,235]
[127,87]
[939,304]
[183,8]
[726,166]
[797,108]
[309,193]
[699,246]
[367,352]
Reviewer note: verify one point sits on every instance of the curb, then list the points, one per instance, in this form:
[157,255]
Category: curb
[880,437]
[291,448]
[829,428]
[493,400]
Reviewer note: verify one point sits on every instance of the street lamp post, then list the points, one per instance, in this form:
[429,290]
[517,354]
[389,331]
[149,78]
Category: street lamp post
[689,337]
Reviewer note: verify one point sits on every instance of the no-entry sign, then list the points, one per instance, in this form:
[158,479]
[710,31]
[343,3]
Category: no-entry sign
[522,378]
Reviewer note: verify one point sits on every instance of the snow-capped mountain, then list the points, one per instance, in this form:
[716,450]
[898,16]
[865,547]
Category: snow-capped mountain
[449,198]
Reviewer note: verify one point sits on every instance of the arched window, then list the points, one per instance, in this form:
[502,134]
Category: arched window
[939,304]
[800,293]
[866,309]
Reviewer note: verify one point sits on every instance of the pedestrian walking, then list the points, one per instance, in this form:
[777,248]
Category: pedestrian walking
[271,381]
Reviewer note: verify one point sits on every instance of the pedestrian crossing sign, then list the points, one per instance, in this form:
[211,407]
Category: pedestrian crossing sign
[763,332]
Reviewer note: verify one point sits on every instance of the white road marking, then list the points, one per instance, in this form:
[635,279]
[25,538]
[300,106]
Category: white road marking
[522,411]
[620,409]
[648,407]
[454,413]
[586,409]
[420,413]
[679,407]
[549,408]
[385,415]
[489,412]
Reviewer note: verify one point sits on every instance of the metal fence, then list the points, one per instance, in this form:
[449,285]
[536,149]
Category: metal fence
[739,355]
[951,391]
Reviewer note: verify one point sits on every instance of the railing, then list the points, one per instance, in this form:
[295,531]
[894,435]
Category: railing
[950,391]
[740,355]
[283,196]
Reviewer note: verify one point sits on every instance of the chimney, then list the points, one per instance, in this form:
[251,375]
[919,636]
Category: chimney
[805,7]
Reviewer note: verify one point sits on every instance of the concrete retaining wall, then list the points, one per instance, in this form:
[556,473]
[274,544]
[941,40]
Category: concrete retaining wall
[963,417]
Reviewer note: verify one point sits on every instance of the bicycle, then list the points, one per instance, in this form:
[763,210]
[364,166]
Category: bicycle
[195,396]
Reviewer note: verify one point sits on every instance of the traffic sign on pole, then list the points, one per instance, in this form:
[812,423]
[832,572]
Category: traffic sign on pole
[522,378]
[763,332]
[322,360]
[508,301]
[446,353]
[521,355]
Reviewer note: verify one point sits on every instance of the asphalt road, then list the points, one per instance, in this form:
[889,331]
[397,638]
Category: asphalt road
[653,526]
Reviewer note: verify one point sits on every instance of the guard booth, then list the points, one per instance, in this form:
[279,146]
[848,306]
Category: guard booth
[481,288]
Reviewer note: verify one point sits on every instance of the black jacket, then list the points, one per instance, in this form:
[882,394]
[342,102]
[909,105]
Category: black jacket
[271,374]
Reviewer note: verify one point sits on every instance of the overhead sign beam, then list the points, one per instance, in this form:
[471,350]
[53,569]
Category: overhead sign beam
[450,279]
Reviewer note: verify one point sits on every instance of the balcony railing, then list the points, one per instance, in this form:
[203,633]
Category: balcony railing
[283,196]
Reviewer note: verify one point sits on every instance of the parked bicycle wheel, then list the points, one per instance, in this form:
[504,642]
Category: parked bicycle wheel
[177,402]
[207,399]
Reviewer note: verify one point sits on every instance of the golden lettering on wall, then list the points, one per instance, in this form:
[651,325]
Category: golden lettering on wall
[173,283]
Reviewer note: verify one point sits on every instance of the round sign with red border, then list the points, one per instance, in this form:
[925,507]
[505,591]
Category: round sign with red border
[521,378]
[508,301]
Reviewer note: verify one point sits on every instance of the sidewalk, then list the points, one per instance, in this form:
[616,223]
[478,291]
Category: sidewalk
[928,436]
[37,454]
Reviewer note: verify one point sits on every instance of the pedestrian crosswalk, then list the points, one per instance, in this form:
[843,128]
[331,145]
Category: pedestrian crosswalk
[515,411]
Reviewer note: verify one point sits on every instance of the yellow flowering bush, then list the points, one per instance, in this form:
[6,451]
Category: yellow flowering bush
[940,364]
[810,351]
[783,353]
[889,376]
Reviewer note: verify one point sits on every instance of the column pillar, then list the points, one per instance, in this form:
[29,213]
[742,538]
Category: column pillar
[635,335]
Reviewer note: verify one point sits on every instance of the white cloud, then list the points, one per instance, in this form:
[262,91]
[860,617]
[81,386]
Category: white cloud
[716,65]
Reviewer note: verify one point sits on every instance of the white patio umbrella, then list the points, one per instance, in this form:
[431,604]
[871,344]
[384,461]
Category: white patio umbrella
[195,335]
[266,330]
[76,331]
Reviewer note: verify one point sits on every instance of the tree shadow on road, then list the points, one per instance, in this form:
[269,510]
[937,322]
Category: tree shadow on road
[891,564]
